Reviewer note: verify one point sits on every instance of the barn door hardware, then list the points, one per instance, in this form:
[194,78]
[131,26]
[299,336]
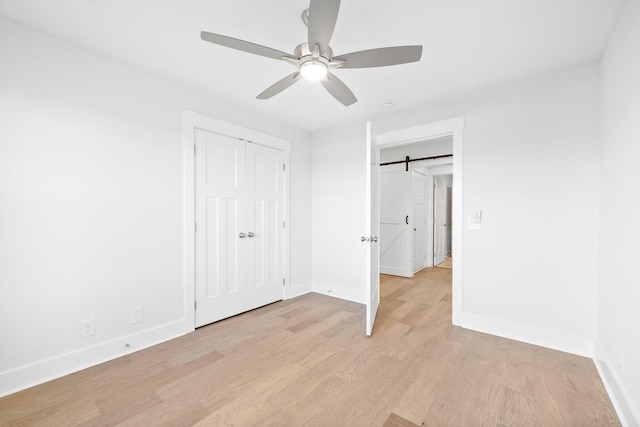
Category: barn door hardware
[408,160]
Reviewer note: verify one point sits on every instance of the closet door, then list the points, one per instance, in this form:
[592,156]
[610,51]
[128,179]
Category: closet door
[220,220]
[265,221]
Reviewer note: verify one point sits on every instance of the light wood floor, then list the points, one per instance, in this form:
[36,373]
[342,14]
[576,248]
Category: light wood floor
[447,263]
[306,361]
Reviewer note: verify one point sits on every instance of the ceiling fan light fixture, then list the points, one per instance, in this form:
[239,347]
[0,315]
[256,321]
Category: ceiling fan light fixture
[314,58]
[314,70]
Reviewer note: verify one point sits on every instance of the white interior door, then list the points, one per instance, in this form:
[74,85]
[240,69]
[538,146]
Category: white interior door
[265,225]
[439,220]
[220,206]
[373,176]
[448,223]
[395,229]
[239,195]
[418,218]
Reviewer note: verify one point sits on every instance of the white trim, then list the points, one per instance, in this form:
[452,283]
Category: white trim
[628,414]
[395,271]
[297,290]
[336,291]
[420,132]
[455,127]
[457,230]
[192,121]
[42,371]
[188,153]
[535,335]
[434,164]
[200,121]
[441,170]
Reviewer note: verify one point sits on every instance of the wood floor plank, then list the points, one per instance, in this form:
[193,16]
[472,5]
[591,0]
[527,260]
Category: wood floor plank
[307,362]
[397,421]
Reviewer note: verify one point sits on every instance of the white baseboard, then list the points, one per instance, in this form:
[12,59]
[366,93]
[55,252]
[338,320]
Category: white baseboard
[548,338]
[40,372]
[299,289]
[628,414]
[393,271]
[333,290]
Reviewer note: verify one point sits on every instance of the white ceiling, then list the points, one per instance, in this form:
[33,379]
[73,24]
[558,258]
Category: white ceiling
[468,44]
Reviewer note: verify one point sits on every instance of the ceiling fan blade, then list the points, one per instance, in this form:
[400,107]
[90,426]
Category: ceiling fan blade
[338,90]
[381,57]
[242,45]
[279,86]
[323,15]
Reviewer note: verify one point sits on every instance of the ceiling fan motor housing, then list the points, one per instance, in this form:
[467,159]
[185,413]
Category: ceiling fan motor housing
[313,65]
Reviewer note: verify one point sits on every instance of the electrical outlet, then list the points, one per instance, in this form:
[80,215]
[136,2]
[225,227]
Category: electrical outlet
[87,328]
[136,315]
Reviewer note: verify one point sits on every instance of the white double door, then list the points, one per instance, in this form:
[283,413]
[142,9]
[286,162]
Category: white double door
[239,226]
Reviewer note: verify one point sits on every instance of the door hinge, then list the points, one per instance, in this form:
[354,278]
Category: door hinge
[284,167]
[283,224]
[195,227]
[283,281]
[195,305]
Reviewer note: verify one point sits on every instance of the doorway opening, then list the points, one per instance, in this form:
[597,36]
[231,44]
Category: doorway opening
[416,205]
[450,130]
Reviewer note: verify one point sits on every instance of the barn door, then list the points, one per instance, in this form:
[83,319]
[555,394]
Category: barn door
[395,228]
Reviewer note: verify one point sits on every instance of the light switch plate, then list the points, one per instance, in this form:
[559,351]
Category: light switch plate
[475,222]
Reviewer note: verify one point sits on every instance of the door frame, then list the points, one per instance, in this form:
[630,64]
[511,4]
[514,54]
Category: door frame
[190,122]
[454,127]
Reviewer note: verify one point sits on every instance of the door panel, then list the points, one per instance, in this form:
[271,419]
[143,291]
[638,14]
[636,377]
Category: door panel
[395,236]
[418,210]
[220,258]
[373,176]
[265,201]
[448,221]
[439,220]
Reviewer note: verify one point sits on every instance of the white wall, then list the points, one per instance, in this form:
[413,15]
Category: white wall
[618,334]
[434,147]
[531,272]
[339,212]
[91,204]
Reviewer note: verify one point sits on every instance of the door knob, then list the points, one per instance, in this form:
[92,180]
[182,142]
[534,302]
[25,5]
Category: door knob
[250,234]
[242,235]
[374,239]
[365,239]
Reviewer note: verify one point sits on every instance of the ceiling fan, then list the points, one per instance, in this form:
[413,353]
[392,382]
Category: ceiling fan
[314,58]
